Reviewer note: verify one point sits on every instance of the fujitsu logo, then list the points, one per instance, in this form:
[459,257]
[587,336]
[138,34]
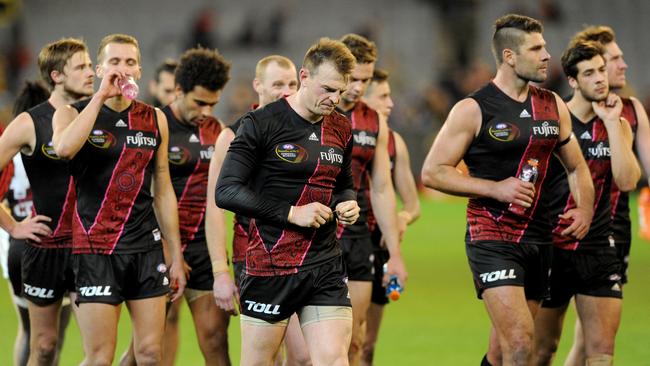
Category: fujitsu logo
[600,151]
[34,291]
[207,154]
[497,275]
[363,139]
[546,130]
[139,139]
[331,156]
[259,307]
[95,291]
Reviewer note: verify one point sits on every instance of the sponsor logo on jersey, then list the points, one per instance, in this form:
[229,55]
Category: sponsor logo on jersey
[121,123]
[90,291]
[503,131]
[546,130]
[503,274]
[585,136]
[34,291]
[313,137]
[140,140]
[207,153]
[363,139]
[524,114]
[178,155]
[259,307]
[331,156]
[291,153]
[599,151]
[101,139]
[193,138]
[48,151]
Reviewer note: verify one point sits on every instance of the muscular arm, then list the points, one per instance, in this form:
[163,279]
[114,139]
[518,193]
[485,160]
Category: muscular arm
[166,206]
[404,183]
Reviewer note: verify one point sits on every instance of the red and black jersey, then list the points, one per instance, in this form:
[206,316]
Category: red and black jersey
[277,160]
[5,176]
[190,150]
[112,175]
[621,223]
[593,141]
[365,129]
[511,133]
[240,223]
[52,193]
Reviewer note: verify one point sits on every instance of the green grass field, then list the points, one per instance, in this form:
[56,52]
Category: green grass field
[438,321]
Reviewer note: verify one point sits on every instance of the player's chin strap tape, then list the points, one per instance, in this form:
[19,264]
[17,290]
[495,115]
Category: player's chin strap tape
[564,142]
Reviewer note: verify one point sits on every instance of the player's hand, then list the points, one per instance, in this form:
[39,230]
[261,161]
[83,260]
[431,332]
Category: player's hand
[177,280]
[515,191]
[225,293]
[396,267]
[403,219]
[580,219]
[108,88]
[347,212]
[186,269]
[31,228]
[609,110]
[312,215]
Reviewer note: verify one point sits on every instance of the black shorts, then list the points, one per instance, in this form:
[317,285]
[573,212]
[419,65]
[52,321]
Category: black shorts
[15,265]
[623,254]
[238,269]
[275,298]
[113,278]
[495,264]
[594,272]
[358,256]
[378,290]
[47,274]
[201,277]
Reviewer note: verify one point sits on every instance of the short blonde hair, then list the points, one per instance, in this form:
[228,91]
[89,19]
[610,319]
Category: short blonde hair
[117,38]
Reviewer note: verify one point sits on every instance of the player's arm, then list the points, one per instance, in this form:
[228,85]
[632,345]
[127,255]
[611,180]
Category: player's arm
[166,208]
[625,169]
[383,202]
[405,185]
[578,176]
[233,193]
[453,140]
[344,196]
[19,135]
[642,136]
[224,289]
[71,128]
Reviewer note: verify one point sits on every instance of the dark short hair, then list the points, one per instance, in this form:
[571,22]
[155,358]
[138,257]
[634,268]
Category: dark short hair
[202,67]
[597,33]
[32,94]
[509,33]
[578,52]
[379,76]
[55,55]
[363,50]
[168,66]
[329,50]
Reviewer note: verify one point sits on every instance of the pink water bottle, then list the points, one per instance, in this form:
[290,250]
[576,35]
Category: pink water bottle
[528,174]
[128,87]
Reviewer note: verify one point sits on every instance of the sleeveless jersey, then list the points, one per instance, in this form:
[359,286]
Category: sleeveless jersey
[594,144]
[240,223]
[112,174]
[511,133]
[52,193]
[365,129]
[278,159]
[190,151]
[621,223]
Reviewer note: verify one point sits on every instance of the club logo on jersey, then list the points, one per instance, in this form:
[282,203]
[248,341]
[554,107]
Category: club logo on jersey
[207,154]
[363,139]
[331,156]
[178,155]
[140,140]
[101,139]
[41,292]
[599,151]
[503,132]
[546,130]
[259,307]
[291,153]
[48,151]
[498,275]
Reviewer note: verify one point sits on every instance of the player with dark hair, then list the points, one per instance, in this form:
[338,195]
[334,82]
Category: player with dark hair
[161,87]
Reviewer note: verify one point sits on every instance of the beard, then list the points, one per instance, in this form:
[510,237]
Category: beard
[593,96]
[75,93]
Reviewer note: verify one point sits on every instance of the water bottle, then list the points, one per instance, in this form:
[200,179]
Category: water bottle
[128,87]
[394,289]
[529,174]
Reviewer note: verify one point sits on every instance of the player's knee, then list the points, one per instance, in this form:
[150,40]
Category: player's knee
[298,358]
[45,349]
[148,354]
[214,341]
[355,345]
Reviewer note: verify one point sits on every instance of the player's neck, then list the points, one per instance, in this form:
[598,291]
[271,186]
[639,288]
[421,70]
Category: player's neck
[580,107]
[296,104]
[118,103]
[176,111]
[346,106]
[511,85]
[58,98]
